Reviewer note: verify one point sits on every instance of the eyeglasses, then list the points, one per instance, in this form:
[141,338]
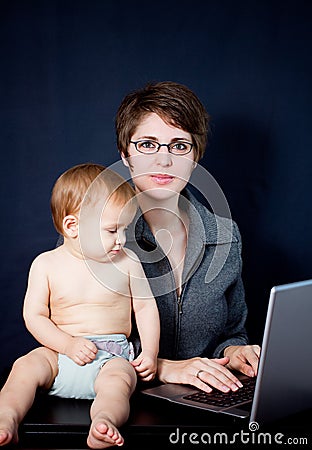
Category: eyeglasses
[149,147]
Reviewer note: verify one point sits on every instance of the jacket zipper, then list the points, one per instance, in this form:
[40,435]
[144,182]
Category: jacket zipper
[180,301]
[180,312]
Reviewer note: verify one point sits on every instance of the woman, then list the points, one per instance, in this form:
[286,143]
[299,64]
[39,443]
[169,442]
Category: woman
[161,135]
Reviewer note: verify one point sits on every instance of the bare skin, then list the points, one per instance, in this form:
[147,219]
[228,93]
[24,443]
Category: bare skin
[69,296]
[36,369]
[113,386]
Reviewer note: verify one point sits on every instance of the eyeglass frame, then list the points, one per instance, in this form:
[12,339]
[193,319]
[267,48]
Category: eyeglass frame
[162,145]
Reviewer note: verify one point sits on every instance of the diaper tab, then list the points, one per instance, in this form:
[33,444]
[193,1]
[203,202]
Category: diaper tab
[111,347]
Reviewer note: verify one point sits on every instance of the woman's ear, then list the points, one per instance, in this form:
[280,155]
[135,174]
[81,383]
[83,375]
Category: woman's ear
[70,226]
[125,160]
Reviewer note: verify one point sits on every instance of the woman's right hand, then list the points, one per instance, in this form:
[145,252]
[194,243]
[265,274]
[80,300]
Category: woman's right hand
[202,373]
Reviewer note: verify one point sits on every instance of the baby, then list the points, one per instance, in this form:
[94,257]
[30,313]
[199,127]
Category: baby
[78,305]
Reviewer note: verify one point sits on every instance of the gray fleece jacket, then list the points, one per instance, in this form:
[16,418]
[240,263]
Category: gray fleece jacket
[210,313]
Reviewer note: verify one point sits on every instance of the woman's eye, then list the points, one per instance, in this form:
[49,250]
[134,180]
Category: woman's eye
[179,146]
[148,144]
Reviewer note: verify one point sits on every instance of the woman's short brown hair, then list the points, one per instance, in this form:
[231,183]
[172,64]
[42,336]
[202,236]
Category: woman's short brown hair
[72,188]
[175,103]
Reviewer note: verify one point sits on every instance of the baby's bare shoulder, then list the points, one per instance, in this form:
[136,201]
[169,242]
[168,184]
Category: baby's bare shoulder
[47,258]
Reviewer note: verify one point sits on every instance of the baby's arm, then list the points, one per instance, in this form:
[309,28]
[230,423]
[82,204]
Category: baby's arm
[36,314]
[147,319]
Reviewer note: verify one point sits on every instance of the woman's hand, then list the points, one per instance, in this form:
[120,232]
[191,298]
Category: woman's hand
[202,373]
[243,358]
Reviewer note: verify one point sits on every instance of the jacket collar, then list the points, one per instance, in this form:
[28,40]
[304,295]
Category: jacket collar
[205,227]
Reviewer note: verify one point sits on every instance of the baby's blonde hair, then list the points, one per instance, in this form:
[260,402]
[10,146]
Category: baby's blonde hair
[71,189]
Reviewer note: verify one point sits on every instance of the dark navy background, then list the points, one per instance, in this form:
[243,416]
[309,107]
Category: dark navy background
[65,67]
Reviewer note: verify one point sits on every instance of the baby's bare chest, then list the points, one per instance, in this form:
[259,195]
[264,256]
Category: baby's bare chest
[85,285]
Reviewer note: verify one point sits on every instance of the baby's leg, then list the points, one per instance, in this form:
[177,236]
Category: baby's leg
[110,409]
[37,368]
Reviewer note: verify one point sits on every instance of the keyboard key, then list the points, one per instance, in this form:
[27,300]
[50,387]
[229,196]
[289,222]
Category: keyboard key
[222,399]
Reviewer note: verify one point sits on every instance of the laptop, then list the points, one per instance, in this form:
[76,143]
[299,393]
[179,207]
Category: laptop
[283,385]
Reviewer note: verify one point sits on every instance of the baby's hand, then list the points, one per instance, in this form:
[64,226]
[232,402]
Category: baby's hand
[81,350]
[146,366]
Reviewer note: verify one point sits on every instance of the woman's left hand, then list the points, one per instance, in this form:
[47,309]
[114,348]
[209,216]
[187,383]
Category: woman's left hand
[243,358]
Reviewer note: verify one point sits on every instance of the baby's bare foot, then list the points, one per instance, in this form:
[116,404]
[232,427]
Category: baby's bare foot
[8,431]
[103,434]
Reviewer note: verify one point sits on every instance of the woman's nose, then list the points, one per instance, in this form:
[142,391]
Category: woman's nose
[163,157]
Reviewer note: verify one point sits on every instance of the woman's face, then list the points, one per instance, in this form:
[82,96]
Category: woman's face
[162,174]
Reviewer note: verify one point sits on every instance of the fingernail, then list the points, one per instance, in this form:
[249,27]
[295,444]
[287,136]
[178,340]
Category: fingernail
[225,389]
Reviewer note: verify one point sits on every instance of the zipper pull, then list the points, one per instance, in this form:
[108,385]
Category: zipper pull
[180,305]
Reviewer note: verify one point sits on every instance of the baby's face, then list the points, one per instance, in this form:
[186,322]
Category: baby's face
[114,222]
[102,230]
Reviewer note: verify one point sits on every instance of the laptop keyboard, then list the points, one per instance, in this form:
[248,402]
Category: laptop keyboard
[222,399]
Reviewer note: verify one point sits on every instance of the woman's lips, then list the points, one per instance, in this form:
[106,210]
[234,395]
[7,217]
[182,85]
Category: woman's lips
[115,251]
[162,179]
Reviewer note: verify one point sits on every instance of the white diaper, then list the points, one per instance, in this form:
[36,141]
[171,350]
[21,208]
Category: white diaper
[74,381]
